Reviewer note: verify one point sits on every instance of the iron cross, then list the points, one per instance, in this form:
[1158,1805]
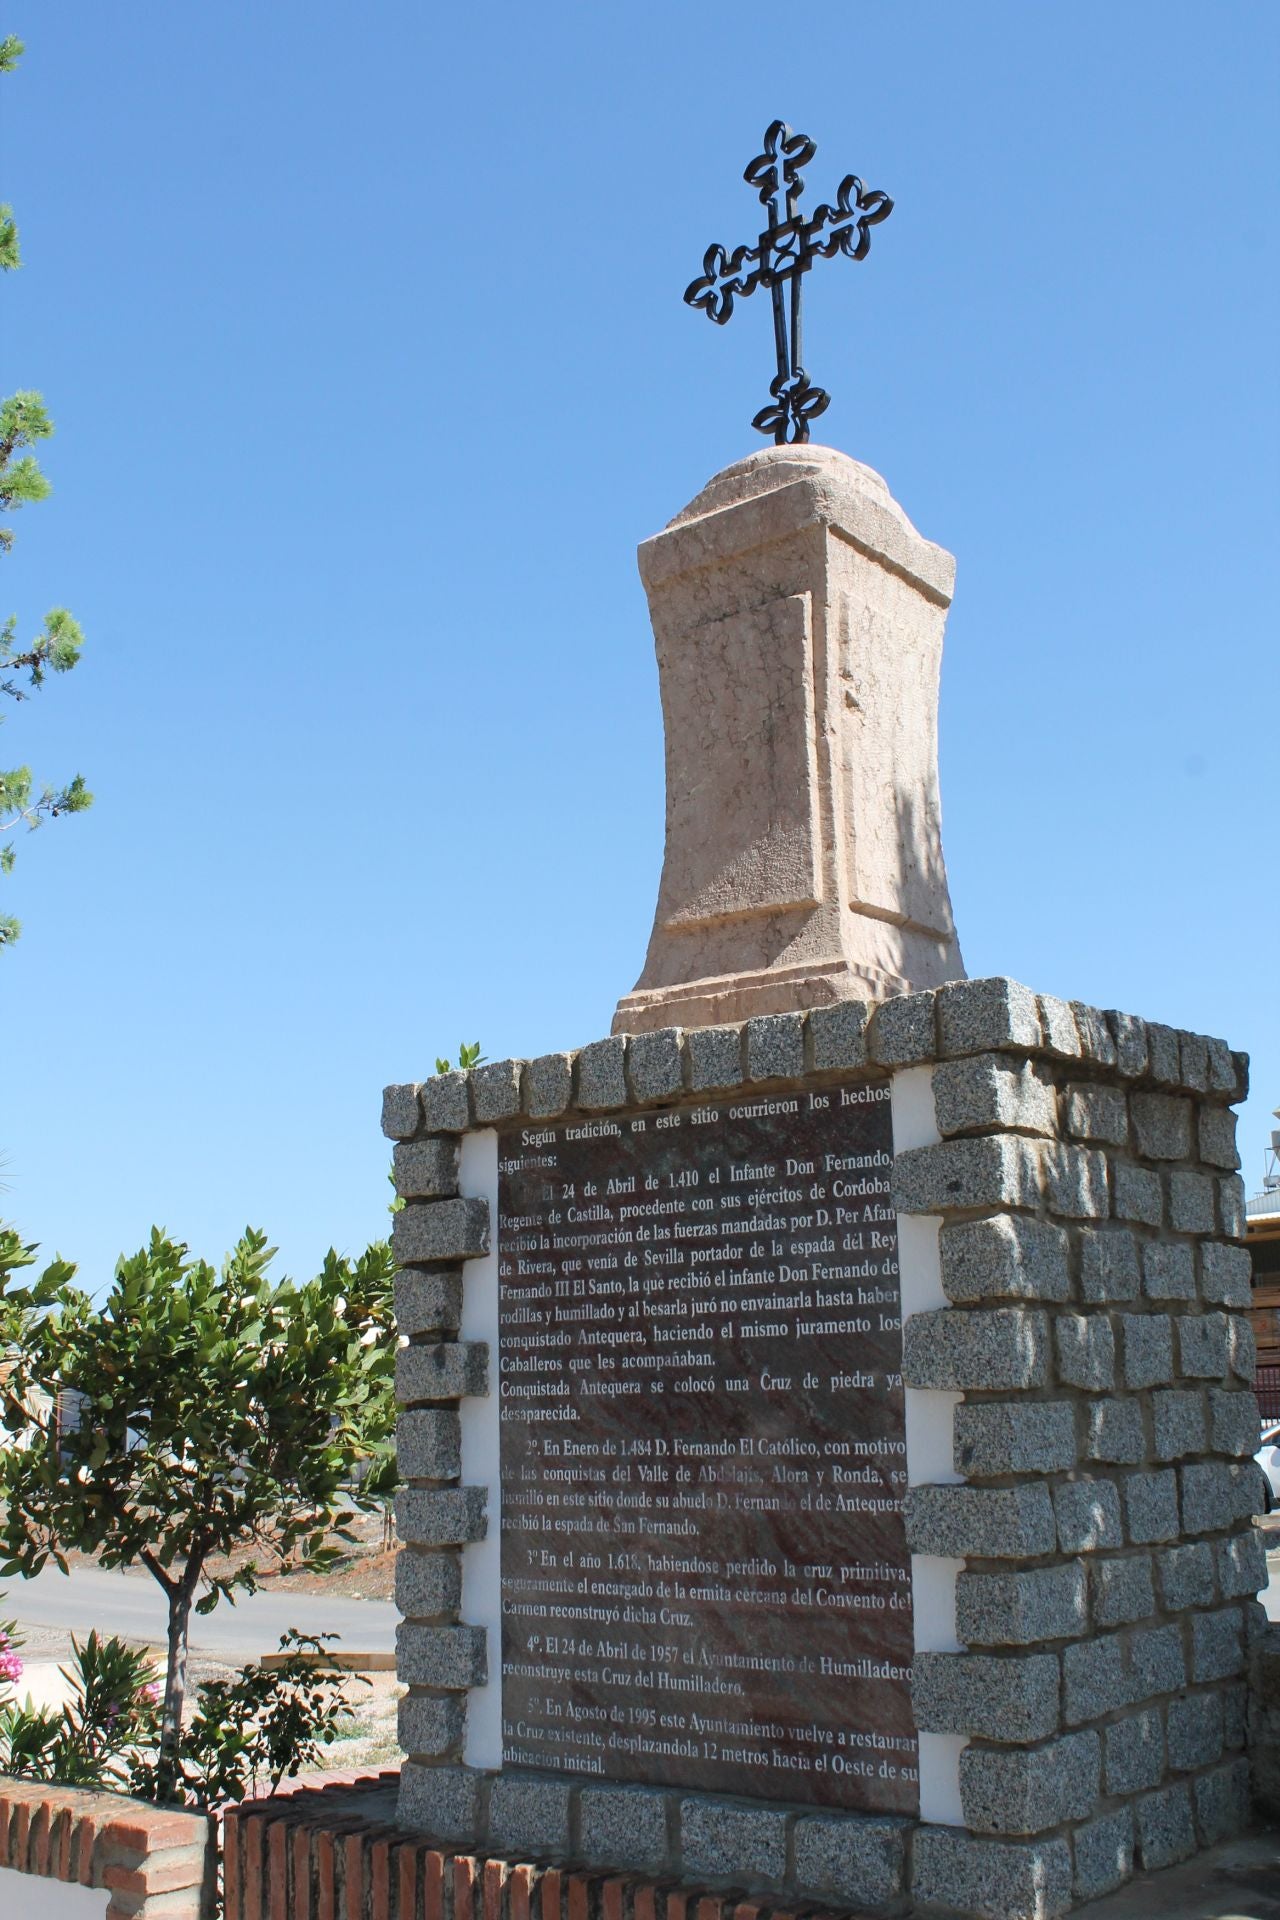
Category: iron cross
[779,260]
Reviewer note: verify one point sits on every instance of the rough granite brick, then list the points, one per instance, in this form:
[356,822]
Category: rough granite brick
[446,1802]
[1164,1064]
[992,1696]
[1191,1202]
[1161,1126]
[447,1517]
[1022,1609]
[1193,1059]
[1168,1270]
[1186,1576]
[1147,1347]
[1075,1180]
[428,1302]
[903,1032]
[1242,1349]
[600,1072]
[529,1815]
[429,1444]
[1231,1204]
[627,1826]
[1225,1274]
[1012,1790]
[431,1724]
[655,1068]
[444,1370]
[1092,1112]
[548,1086]
[1157,1662]
[495,1091]
[720,1841]
[978,1016]
[1223,1802]
[431,1232]
[1121,1590]
[1194,1726]
[1094,1679]
[446,1103]
[994,1523]
[1235,1714]
[969,1348]
[775,1046]
[426,1169]
[1013,1436]
[1202,1345]
[1234,1420]
[857,1861]
[990,1879]
[1178,1424]
[1138,1194]
[1086,1351]
[1217,1645]
[1115,1432]
[1130,1037]
[1088,1515]
[1217,1131]
[1108,1264]
[1059,1028]
[838,1036]
[995,1170]
[1151,1506]
[1134,1752]
[449,1657]
[1165,1831]
[1096,1042]
[1222,1070]
[714,1055]
[428,1585]
[1103,1850]
[986,1090]
[401,1112]
[1006,1257]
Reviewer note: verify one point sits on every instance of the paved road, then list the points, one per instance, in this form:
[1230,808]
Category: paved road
[132,1605]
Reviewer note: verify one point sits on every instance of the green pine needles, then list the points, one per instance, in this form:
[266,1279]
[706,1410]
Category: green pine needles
[55,648]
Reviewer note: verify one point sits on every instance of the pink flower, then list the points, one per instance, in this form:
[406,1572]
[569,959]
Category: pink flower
[10,1665]
[152,1694]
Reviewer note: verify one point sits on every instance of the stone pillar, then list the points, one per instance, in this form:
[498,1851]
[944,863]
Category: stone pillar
[798,618]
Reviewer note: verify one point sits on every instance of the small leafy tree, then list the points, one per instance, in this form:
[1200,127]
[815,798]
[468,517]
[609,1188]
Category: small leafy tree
[221,1410]
[24,422]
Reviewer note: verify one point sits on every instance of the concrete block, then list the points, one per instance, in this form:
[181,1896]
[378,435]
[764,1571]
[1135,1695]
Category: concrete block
[448,1803]
[775,1046]
[854,1860]
[1191,1202]
[990,1879]
[1005,1257]
[837,1036]
[1186,1576]
[429,1444]
[1096,1113]
[1217,1137]
[1024,1790]
[1108,1264]
[625,1827]
[1134,1752]
[1130,1037]
[426,1169]
[1164,1062]
[1115,1432]
[1165,1829]
[438,1231]
[446,1517]
[495,1091]
[428,1585]
[996,1170]
[1014,1436]
[971,1348]
[1103,1851]
[1075,1181]
[1058,1027]
[1178,1423]
[1222,1801]
[1151,1506]
[1096,1041]
[1086,1351]
[1225,1274]
[432,1725]
[1202,1346]
[1234,1422]
[1147,1346]
[529,1815]
[1161,1126]
[401,1112]
[1138,1194]
[902,1032]
[548,1086]
[428,1301]
[1193,1057]
[1194,1726]
[1222,1070]
[600,1072]
[1122,1590]
[1217,1495]
[1157,1662]
[981,1016]
[992,1523]
[453,1657]
[1087,1513]
[1095,1680]
[986,1090]
[1231,1205]
[655,1065]
[720,1841]
[990,1696]
[446,1103]
[445,1370]
[714,1055]
[1168,1270]
[1022,1609]
[1217,1645]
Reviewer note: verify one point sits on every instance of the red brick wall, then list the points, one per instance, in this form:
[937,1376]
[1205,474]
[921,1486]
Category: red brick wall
[146,1857]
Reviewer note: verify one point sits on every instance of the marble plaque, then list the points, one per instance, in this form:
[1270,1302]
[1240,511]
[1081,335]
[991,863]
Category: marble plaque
[705,1581]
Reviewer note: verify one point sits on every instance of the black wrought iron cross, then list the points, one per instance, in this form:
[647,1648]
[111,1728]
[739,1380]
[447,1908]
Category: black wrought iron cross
[779,260]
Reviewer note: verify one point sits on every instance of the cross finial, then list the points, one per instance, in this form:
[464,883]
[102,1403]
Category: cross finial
[784,253]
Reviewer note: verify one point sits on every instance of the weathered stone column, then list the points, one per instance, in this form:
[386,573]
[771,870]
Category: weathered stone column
[798,617]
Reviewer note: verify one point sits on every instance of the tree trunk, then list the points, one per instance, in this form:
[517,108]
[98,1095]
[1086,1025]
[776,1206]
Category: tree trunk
[175,1686]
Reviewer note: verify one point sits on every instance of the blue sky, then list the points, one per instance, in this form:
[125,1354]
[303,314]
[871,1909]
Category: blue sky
[364,338]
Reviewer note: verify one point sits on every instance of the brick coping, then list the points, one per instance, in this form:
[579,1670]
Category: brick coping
[146,1857]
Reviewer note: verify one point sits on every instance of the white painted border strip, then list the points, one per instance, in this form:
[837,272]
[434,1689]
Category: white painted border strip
[482,1561]
[930,1460]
